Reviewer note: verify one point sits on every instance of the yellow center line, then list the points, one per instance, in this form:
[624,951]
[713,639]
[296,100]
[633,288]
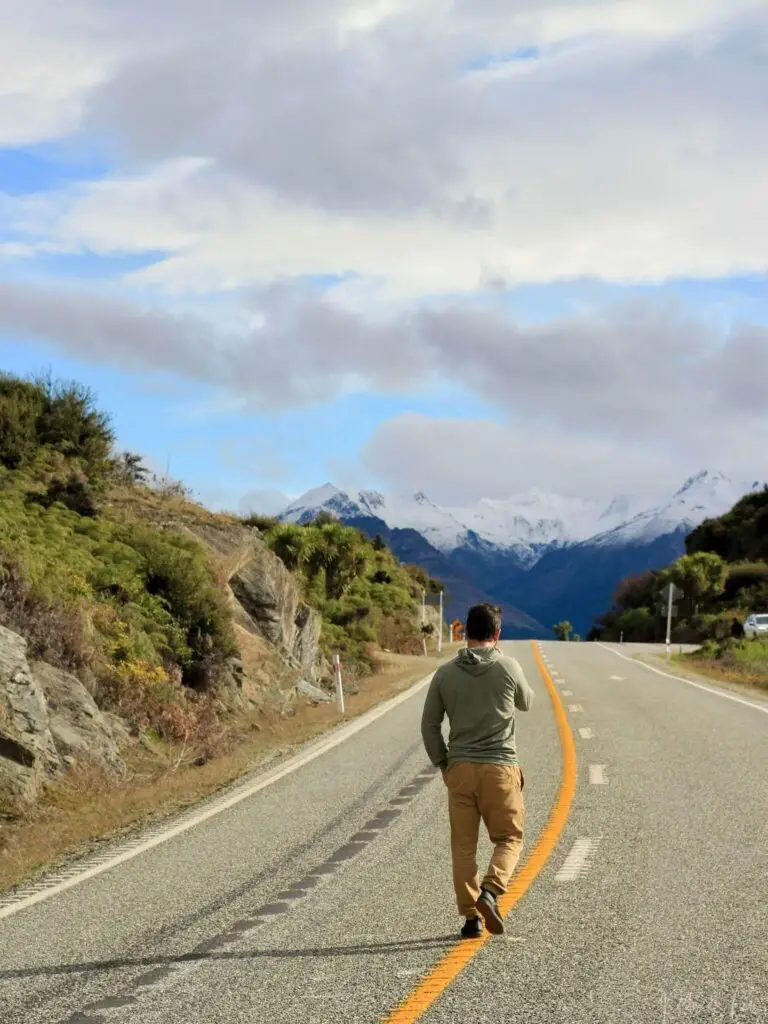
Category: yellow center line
[448,969]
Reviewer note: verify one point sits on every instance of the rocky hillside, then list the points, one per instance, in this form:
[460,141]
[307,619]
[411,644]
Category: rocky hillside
[129,611]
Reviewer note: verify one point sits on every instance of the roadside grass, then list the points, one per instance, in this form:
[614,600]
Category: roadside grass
[736,661]
[86,809]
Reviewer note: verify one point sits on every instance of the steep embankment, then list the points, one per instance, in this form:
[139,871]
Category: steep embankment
[144,638]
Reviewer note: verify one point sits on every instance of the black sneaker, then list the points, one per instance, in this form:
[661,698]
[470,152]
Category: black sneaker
[488,906]
[473,928]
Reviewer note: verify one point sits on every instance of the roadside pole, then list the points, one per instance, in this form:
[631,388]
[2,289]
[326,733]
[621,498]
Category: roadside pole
[670,592]
[440,633]
[339,687]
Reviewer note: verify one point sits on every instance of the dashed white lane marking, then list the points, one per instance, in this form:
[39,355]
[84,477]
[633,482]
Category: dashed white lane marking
[689,682]
[567,693]
[59,882]
[575,707]
[578,860]
[618,679]
[586,733]
[597,776]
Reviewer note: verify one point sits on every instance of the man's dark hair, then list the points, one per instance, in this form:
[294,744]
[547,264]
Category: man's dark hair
[483,622]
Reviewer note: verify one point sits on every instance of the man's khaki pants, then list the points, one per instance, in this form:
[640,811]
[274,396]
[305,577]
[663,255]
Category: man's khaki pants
[493,793]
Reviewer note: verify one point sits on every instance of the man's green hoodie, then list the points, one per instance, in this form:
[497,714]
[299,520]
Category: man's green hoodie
[479,691]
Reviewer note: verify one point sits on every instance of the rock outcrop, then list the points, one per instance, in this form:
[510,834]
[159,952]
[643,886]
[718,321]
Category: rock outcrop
[27,750]
[267,598]
[270,597]
[48,722]
[80,731]
[313,693]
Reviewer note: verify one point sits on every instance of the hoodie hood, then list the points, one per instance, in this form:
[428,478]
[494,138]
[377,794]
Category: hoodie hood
[477,660]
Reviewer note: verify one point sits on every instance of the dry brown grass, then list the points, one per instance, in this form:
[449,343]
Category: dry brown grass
[738,675]
[702,670]
[149,506]
[86,808]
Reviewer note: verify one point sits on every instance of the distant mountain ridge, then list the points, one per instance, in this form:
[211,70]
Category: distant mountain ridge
[543,556]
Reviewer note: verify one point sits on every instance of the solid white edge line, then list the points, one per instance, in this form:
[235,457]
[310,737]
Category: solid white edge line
[690,682]
[268,779]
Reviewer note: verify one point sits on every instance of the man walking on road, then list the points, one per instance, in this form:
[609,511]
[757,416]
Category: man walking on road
[479,691]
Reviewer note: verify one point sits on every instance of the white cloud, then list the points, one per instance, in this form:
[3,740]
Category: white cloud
[638,389]
[263,502]
[287,153]
[48,66]
[260,143]
[458,461]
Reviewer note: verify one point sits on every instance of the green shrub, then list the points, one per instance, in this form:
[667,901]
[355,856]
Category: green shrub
[72,424]
[638,625]
[176,572]
[73,492]
[54,415]
[261,523]
[21,406]
[363,593]
[114,593]
[54,633]
[741,535]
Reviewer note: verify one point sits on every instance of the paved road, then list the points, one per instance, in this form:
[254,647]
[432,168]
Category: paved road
[326,896]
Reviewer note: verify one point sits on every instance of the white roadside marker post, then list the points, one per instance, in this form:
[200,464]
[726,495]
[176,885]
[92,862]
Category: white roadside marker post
[339,687]
[670,592]
[670,598]
[440,634]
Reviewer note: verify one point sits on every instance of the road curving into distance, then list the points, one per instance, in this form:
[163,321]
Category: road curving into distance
[323,892]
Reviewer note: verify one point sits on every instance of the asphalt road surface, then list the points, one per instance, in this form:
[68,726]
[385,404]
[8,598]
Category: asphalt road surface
[326,896]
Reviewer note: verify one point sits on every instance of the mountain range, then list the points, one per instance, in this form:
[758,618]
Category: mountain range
[540,556]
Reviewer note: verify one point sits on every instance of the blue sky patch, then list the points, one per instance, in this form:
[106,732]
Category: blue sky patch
[218,450]
[45,168]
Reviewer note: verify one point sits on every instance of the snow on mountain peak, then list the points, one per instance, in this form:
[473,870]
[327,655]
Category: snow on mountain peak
[704,479]
[705,495]
[533,522]
[372,500]
[328,497]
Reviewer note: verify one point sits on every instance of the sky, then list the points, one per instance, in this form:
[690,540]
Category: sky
[466,247]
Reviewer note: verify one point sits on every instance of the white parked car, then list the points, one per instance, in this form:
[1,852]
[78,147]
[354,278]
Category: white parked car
[756,625]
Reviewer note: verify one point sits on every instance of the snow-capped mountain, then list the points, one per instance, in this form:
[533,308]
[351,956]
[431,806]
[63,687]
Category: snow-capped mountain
[525,524]
[703,496]
[530,524]
[541,556]
[414,512]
